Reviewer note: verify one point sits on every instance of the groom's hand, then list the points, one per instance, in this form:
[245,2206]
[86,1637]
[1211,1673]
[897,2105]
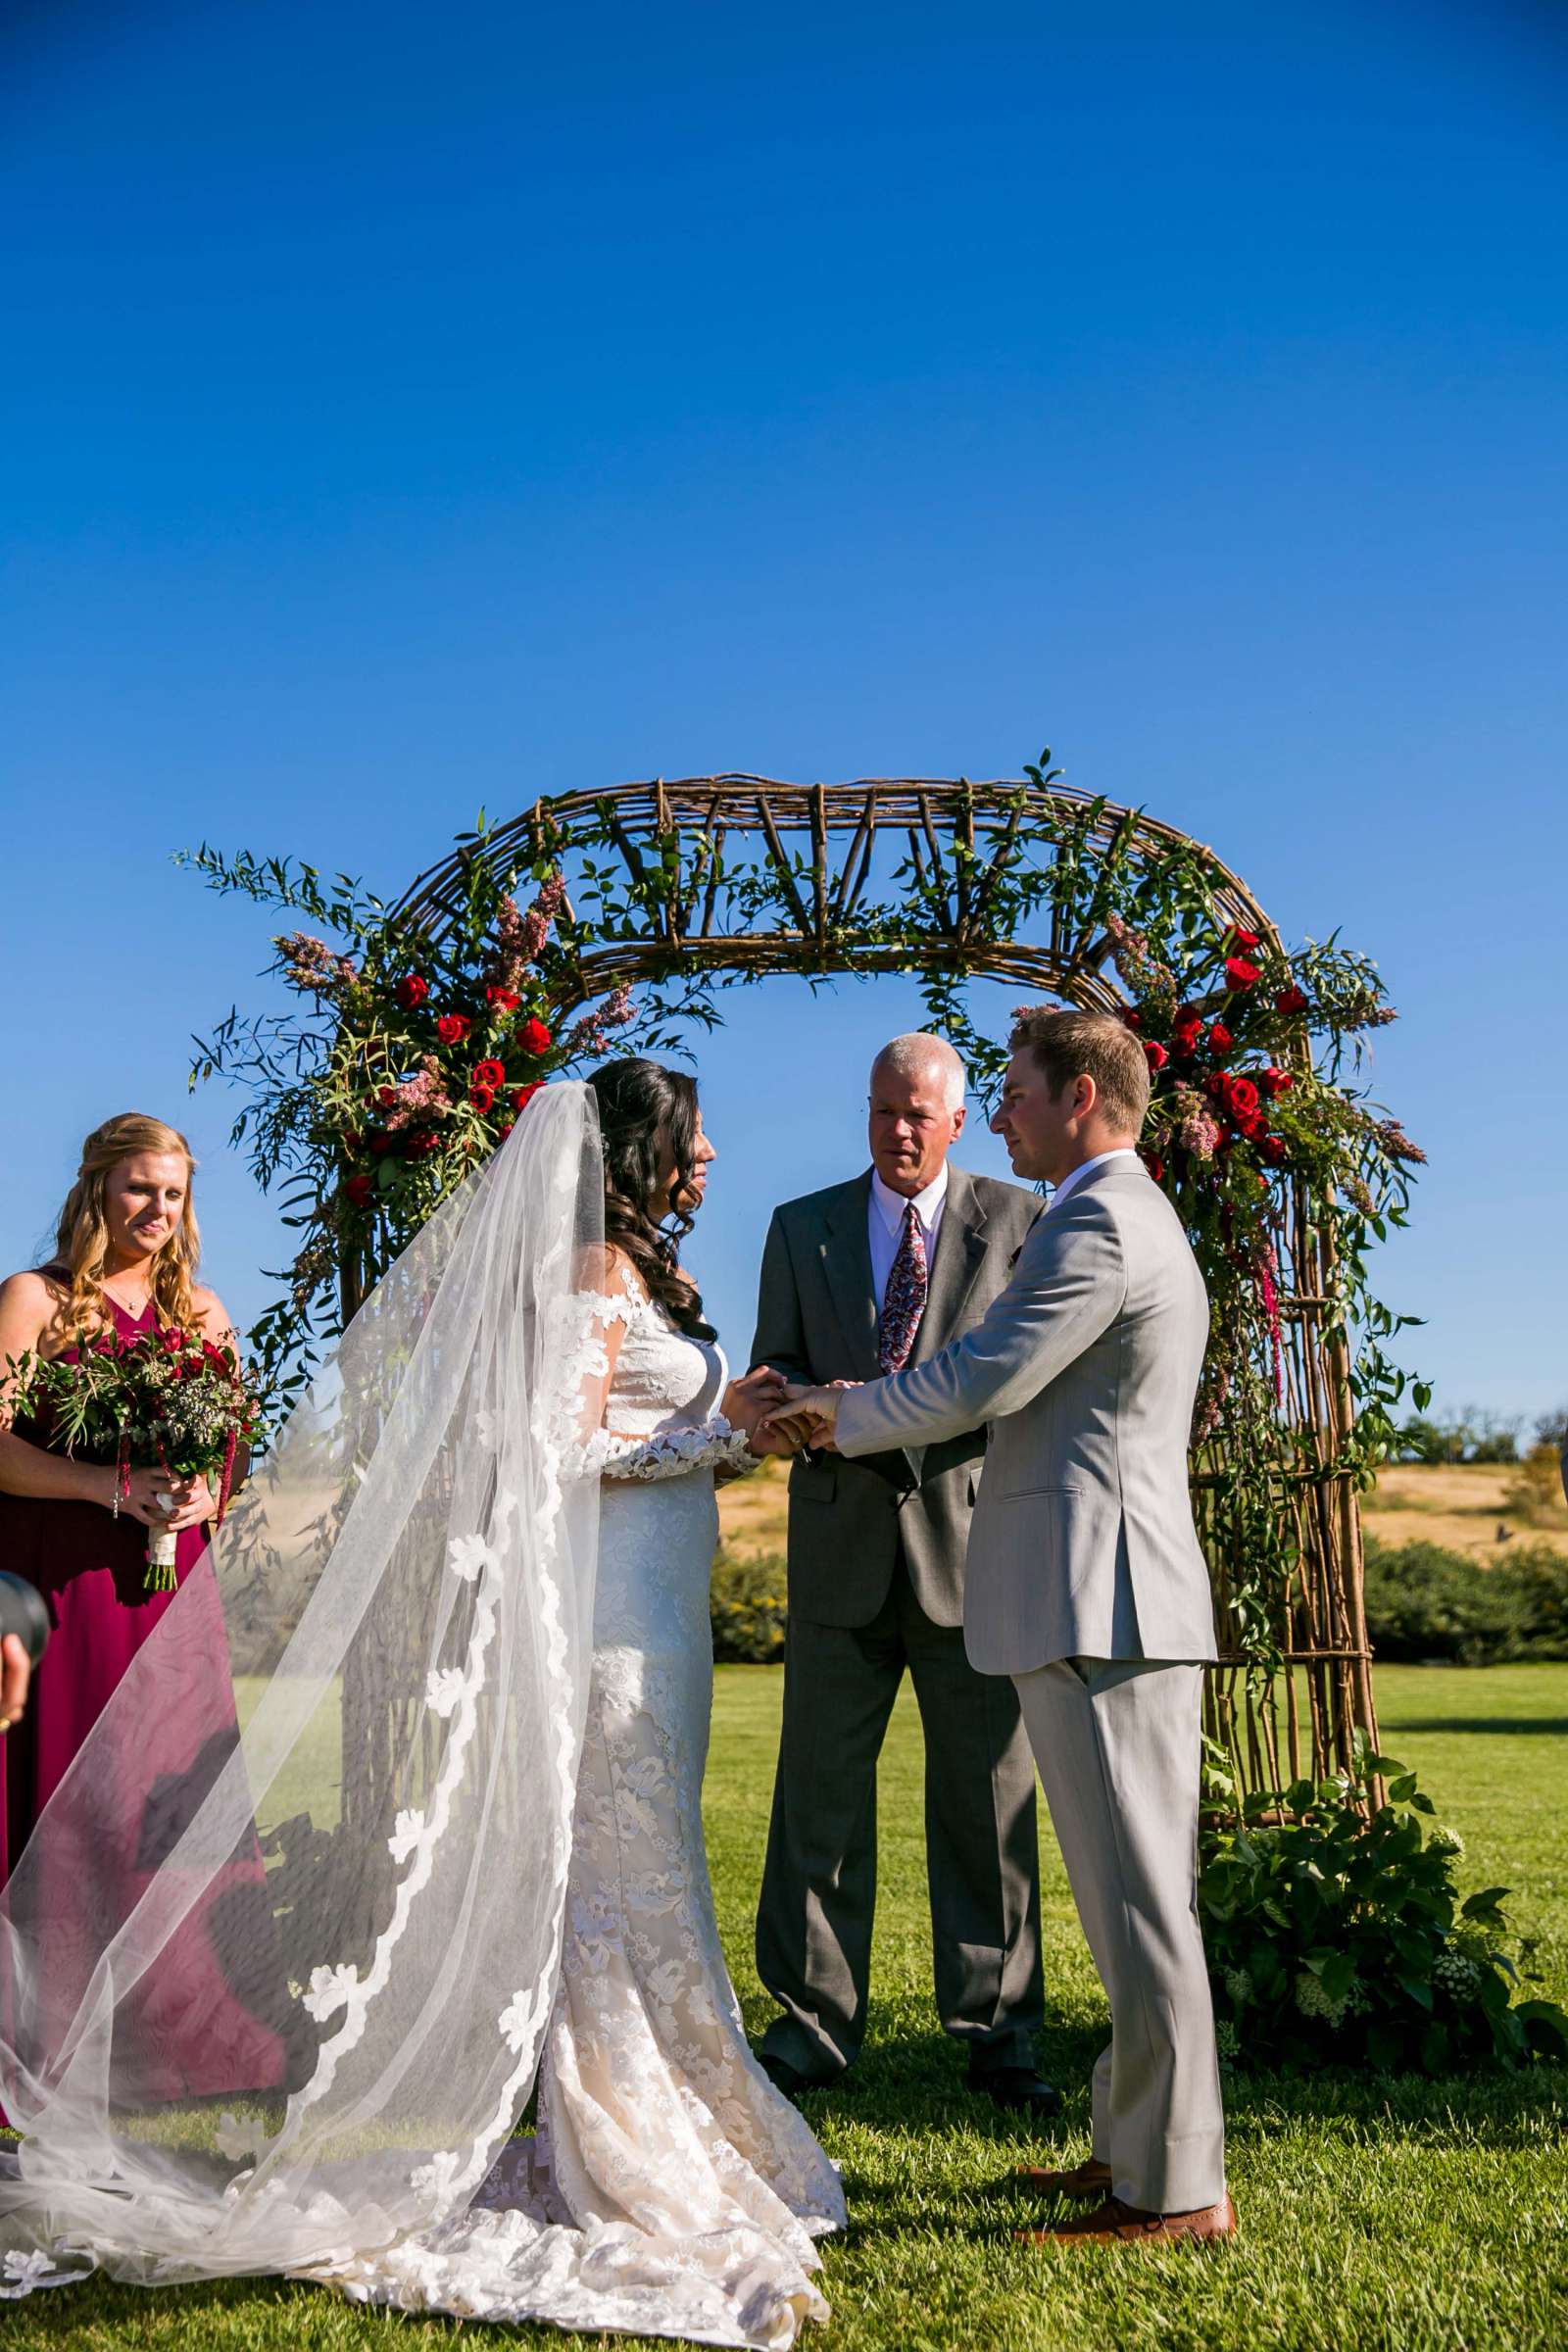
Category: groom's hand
[806,1416]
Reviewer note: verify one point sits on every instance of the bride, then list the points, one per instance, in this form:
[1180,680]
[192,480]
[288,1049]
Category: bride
[466,1603]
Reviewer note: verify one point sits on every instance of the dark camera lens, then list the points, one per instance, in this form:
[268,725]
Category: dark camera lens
[22,1613]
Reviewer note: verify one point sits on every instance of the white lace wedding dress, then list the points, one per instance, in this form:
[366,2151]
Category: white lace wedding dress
[468,1594]
[669,2190]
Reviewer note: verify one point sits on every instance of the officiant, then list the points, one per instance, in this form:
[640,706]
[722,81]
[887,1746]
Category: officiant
[858,1281]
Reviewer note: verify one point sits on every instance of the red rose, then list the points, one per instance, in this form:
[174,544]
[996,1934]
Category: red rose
[352,1138]
[482,1097]
[1241,1099]
[522,1096]
[1275,1082]
[419,1145]
[1247,941]
[534,1038]
[1240,975]
[1156,1169]
[453,1027]
[1132,1018]
[1215,1085]
[505,1129]
[505,997]
[385,1097]
[490,1074]
[1273,1149]
[1156,1056]
[1252,1126]
[382,1142]
[1289,1000]
[410,991]
[359,1189]
[1186,1029]
[1220,1041]
[173,1341]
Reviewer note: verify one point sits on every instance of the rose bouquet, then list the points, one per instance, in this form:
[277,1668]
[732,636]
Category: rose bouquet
[164,1399]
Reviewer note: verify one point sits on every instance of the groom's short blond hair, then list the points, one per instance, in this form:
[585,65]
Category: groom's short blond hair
[1068,1043]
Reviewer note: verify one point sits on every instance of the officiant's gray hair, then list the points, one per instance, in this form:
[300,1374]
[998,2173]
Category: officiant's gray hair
[918,1053]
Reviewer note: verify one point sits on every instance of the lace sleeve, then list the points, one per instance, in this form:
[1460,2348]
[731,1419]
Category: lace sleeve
[671,1453]
[603,1315]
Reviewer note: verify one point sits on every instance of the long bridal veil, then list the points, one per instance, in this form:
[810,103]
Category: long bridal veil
[277,1960]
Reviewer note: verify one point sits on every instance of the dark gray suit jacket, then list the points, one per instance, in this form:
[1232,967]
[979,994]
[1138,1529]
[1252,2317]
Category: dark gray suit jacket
[816,1321]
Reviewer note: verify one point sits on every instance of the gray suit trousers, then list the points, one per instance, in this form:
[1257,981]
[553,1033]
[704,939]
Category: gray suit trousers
[814,1922]
[1118,1744]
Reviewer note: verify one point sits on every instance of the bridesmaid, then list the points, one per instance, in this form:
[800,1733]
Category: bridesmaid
[126,1260]
[126,1257]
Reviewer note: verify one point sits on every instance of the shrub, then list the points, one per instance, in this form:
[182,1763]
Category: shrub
[1335,1939]
[1426,1605]
[1536,1494]
[748,1604]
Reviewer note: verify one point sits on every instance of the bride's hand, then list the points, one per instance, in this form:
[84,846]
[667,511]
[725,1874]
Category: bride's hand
[772,1440]
[805,1416]
[748,1400]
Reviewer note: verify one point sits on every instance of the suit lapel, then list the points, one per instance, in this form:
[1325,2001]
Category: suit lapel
[847,1264]
[958,1256]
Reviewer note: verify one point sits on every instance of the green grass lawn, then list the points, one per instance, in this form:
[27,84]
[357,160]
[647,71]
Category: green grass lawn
[1375,2212]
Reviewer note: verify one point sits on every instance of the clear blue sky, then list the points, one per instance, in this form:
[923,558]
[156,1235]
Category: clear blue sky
[407,409]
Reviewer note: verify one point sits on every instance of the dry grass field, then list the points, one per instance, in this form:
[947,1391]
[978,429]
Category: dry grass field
[1461,1506]
[1465,1506]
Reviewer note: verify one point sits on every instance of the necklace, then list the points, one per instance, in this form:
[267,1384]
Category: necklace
[134,1312]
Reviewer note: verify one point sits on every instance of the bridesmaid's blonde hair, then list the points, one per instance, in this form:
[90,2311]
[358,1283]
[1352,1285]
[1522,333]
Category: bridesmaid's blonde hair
[81,1243]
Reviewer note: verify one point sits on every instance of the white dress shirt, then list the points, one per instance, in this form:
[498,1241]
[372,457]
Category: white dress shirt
[885,1224]
[1116,1151]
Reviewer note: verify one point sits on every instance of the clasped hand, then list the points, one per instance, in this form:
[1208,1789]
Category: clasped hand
[189,1499]
[747,1404]
[805,1416]
[780,1416]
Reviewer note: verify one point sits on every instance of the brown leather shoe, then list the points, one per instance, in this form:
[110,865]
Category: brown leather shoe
[1116,2223]
[1088,2184]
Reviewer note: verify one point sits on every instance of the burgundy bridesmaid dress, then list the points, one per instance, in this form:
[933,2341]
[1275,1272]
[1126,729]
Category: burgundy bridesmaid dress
[200,2015]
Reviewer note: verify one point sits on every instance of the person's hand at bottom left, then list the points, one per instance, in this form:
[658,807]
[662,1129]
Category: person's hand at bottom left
[16,1672]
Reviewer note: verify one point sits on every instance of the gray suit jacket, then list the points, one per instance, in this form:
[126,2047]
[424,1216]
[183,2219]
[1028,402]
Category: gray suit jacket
[1086,1367]
[816,1321]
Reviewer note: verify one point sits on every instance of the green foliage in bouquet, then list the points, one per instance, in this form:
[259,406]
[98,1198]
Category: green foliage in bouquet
[748,1604]
[164,1399]
[1336,1936]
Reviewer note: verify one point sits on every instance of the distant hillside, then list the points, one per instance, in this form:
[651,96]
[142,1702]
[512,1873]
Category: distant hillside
[1462,1507]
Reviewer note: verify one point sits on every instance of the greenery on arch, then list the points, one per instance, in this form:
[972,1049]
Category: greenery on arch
[414,1044]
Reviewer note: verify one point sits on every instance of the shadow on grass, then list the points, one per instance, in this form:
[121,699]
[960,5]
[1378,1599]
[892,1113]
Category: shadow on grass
[1400,1724]
[916,2085]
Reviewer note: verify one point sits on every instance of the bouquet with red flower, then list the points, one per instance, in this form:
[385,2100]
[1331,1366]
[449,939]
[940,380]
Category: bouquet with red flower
[166,1400]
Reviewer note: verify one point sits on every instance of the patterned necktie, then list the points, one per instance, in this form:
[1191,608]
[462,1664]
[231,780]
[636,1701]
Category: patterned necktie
[904,1301]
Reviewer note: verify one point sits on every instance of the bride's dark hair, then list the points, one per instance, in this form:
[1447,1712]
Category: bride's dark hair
[641,1104]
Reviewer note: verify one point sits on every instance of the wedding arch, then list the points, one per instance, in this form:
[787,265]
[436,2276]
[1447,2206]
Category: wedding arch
[422,1037]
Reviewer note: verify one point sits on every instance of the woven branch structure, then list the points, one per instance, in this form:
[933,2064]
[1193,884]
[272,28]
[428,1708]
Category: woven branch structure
[816,844]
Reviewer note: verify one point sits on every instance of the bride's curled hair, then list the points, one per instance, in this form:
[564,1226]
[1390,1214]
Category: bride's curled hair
[646,1115]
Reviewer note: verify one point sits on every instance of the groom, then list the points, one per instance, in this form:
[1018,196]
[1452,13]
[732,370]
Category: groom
[1087,1587]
